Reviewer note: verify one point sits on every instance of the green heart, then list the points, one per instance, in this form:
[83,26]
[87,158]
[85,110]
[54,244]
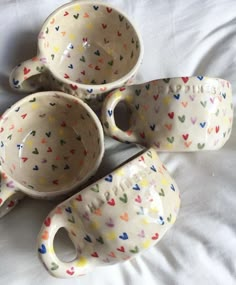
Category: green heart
[170,140]
[100,240]
[35,151]
[149,153]
[32,100]
[95,189]
[9,137]
[62,142]
[76,16]
[52,56]
[106,125]
[203,103]
[162,193]
[71,220]
[217,112]
[169,218]
[110,62]
[200,146]
[121,18]
[181,118]
[124,199]
[82,59]
[166,80]
[33,133]
[135,250]
[54,266]
[47,30]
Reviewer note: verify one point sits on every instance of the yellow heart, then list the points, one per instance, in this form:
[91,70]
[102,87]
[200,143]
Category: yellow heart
[94,225]
[169,146]
[71,37]
[118,94]
[61,132]
[129,99]
[166,100]
[51,249]
[51,119]
[89,26]
[29,143]
[77,8]
[119,172]
[154,209]
[56,49]
[34,106]
[81,262]
[42,180]
[111,236]
[80,48]
[144,182]
[146,244]
[164,181]
[145,221]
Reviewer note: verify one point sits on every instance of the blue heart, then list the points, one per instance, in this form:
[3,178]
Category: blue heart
[90,90]
[42,249]
[68,209]
[17,110]
[136,187]
[71,46]
[200,77]
[224,95]
[36,167]
[87,238]
[109,178]
[177,96]
[152,127]
[15,82]
[203,124]
[57,28]
[153,168]
[124,236]
[95,8]
[161,221]
[109,113]
[2,144]
[70,66]
[172,187]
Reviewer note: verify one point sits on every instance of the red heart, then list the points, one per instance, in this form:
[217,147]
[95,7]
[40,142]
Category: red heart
[171,115]
[26,70]
[24,159]
[111,202]
[66,76]
[122,249]
[185,79]
[74,87]
[63,124]
[119,34]
[70,272]
[185,137]
[79,198]
[142,135]
[0,201]
[66,13]
[94,254]
[11,204]
[217,129]
[109,10]
[97,67]
[156,236]
[55,182]
[156,97]
[49,149]
[47,222]
[104,26]
[23,116]
[122,89]
[83,72]
[138,199]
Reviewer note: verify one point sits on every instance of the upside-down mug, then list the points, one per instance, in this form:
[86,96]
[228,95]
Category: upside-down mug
[114,219]
[85,48]
[174,114]
[50,143]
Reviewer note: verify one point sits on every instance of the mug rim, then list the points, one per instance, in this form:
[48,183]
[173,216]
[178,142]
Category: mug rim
[51,194]
[97,87]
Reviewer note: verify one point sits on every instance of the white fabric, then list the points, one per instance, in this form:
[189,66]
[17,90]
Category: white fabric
[181,38]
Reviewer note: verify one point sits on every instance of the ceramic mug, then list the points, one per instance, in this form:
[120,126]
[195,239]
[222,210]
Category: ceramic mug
[50,143]
[114,219]
[174,114]
[85,48]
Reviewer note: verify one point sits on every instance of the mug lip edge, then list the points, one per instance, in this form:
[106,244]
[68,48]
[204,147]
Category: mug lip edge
[96,87]
[52,194]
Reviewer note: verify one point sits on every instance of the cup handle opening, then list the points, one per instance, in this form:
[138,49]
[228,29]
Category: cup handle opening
[108,118]
[9,195]
[45,247]
[25,77]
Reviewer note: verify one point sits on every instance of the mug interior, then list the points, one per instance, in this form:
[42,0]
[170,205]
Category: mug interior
[89,44]
[49,142]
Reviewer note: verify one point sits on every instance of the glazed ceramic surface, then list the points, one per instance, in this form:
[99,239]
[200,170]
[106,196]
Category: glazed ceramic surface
[85,49]
[49,144]
[174,114]
[114,219]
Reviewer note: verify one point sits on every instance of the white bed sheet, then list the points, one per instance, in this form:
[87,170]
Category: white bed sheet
[181,38]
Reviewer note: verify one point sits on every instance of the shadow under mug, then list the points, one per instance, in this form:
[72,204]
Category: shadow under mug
[173,114]
[50,143]
[85,48]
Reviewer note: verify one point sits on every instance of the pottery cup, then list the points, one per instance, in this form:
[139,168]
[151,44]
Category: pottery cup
[50,143]
[85,48]
[173,114]
[114,219]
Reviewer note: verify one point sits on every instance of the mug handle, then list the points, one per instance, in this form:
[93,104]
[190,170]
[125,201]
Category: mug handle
[21,77]
[45,247]
[108,119]
[9,195]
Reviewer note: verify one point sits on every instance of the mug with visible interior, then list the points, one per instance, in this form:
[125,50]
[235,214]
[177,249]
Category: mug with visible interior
[49,144]
[114,219]
[85,48]
[174,114]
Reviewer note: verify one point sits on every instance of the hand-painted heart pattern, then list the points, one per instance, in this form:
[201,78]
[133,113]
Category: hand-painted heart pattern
[95,48]
[58,145]
[114,229]
[178,114]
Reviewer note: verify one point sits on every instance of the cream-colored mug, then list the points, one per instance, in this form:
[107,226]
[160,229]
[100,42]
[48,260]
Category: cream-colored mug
[50,143]
[114,219]
[85,48]
[174,114]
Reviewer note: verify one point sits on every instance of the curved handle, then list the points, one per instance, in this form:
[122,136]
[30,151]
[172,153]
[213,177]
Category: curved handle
[79,266]
[108,119]
[21,77]
[9,195]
